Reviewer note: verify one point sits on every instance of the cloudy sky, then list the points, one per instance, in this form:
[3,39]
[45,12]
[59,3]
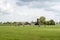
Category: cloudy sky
[29,10]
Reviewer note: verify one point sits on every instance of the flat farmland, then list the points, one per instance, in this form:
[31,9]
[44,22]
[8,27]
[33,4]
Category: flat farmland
[30,32]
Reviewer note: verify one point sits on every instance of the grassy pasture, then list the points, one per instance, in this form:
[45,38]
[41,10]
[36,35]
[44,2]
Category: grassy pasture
[30,32]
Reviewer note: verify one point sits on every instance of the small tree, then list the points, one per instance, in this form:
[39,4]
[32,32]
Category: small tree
[26,23]
[51,22]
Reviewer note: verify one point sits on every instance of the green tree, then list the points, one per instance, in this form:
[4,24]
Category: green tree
[42,20]
[26,23]
[51,22]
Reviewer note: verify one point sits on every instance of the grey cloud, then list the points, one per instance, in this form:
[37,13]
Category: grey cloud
[50,9]
[4,12]
[20,3]
[27,2]
[43,5]
[24,2]
[41,0]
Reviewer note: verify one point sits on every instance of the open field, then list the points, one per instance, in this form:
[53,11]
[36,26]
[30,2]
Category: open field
[30,32]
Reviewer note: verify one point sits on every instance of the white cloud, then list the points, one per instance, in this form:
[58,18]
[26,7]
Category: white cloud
[56,7]
[23,13]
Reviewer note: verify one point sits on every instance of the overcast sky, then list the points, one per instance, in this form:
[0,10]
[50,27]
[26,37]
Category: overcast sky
[29,10]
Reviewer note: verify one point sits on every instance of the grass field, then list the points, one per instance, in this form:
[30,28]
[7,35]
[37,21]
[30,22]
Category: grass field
[30,32]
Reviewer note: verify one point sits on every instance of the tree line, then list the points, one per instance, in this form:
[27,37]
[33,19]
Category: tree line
[44,22]
[40,21]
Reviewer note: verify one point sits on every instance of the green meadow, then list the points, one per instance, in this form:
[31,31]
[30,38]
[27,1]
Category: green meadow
[51,32]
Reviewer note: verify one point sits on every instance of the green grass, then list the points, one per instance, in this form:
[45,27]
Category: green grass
[30,32]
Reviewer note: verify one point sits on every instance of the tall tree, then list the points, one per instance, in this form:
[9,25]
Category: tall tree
[42,20]
[37,23]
